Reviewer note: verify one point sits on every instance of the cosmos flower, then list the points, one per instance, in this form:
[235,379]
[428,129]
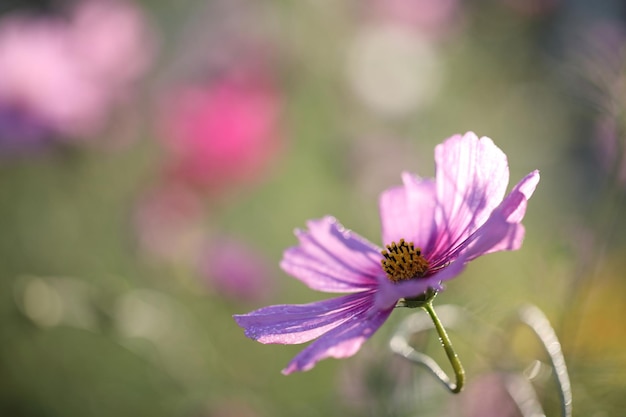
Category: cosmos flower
[431,229]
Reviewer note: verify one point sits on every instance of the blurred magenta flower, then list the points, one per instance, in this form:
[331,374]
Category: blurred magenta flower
[237,270]
[90,59]
[431,228]
[221,133]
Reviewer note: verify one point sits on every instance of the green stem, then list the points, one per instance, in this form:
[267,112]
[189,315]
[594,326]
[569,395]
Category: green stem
[459,372]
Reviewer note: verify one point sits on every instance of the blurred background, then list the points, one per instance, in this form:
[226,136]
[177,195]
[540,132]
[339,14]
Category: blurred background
[156,156]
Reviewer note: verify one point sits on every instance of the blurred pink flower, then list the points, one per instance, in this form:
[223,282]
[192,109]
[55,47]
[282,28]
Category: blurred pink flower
[62,77]
[113,40]
[237,270]
[221,133]
[61,98]
[431,229]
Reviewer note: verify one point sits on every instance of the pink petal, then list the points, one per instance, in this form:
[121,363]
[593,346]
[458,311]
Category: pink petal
[341,342]
[503,231]
[495,235]
[300,323]
[472,175]
[407,212]
[514,205]
[333,259]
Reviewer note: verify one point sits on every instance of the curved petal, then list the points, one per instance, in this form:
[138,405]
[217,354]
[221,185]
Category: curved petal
[300,323]
[502,231]
[472,176]
[514,205]
[495,235]
[341,342]
[407,212]
[333,259]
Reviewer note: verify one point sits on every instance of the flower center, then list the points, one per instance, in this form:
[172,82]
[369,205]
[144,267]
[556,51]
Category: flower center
[403,261]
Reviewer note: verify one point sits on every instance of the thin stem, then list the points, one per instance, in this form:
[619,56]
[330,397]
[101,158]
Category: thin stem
[539,323]
[459,372]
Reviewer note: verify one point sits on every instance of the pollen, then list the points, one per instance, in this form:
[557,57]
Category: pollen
[403,261]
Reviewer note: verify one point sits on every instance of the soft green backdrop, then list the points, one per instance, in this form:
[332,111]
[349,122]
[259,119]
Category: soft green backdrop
[139,337]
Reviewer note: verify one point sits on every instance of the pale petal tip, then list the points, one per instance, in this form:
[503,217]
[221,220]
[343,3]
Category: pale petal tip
[410,178]
[310,224]
[238,319]
[291,368]
[471,135]
[528,184]
[536,175]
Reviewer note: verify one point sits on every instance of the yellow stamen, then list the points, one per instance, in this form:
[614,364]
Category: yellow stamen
[403,261]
